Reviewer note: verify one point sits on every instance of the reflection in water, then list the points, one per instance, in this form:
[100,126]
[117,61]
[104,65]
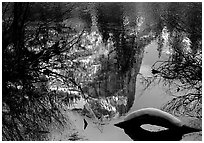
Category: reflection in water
[152,128]
[108,84]
[93,132]
[103,64]
[152,97]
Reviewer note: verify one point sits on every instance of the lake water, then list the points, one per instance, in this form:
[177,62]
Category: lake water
[153,97]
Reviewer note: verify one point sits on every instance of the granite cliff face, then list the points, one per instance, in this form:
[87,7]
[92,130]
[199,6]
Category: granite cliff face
[123,36]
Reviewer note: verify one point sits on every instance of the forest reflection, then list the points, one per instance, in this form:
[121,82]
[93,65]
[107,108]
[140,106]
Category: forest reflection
[70,70]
